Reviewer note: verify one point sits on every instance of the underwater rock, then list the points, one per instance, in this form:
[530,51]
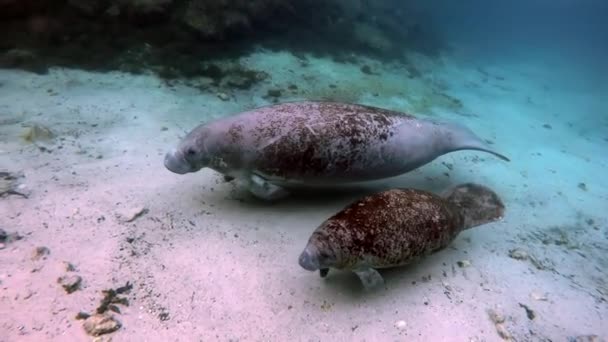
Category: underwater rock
[70,283]
[518,254]
[100,324]
[463,263]
[37,133]
[223,96]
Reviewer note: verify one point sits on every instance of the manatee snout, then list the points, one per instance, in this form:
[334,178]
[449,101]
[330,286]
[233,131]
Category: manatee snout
[309,259]
[177,163]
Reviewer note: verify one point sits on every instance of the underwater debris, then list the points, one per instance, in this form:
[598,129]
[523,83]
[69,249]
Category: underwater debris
[6,238]
[37,133]
[70,283]
[102,322]
[41,253]
[9,237]
[131,214]
[111,298]
[9,184]
[529,312]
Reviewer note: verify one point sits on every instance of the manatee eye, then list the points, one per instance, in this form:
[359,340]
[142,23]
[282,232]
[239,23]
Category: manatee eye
[190,152]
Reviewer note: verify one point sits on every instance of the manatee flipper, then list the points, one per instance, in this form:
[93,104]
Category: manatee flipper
[370,278]
[263,189]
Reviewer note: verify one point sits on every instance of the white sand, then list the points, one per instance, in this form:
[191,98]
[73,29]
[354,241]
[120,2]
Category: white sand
[222,266]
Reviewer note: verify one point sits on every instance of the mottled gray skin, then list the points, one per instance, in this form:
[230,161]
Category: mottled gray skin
[316,143]
[396,227]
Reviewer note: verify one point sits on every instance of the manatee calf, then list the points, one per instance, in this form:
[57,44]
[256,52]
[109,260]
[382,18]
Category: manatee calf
[316,144]
[396,227]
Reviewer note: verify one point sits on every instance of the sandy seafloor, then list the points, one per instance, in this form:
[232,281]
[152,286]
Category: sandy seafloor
[208,262]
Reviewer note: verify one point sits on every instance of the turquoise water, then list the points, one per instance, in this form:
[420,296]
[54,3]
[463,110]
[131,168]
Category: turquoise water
[83,134]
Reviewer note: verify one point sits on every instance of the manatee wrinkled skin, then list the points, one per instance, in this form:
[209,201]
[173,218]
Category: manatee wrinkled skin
[316,144]
[395,228]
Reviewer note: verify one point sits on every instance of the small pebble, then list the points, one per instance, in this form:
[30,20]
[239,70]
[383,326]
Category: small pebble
[401,325]
[496,317]
[100,324]
[463,263]
[518,254]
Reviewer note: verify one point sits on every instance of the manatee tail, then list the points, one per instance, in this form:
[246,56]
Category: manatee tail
[477,204]
[462,138]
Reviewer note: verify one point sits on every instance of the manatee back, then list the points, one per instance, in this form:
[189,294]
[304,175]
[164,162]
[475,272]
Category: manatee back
[391,228]
[323,140]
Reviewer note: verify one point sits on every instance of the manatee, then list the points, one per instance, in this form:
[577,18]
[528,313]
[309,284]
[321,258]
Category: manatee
[396,227]
[312,143]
